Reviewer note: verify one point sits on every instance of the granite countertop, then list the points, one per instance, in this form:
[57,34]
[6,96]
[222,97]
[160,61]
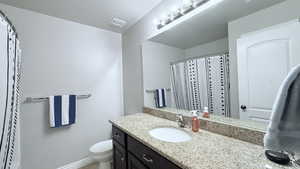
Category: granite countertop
[205,150]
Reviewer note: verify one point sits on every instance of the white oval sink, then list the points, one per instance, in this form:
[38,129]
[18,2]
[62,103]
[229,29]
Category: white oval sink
[170,134]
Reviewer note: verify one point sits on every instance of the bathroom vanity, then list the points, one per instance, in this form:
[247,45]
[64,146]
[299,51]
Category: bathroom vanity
[135,148]
[129,153]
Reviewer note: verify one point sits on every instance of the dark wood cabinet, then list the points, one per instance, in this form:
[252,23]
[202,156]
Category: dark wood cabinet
[146,155]
[134,163]
[132,154]
[118,136]
[119,156]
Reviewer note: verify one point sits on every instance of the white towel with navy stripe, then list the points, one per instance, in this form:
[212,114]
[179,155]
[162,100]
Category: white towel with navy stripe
[160,98]
[62,110]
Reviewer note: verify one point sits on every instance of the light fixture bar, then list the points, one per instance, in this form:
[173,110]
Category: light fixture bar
[185,13]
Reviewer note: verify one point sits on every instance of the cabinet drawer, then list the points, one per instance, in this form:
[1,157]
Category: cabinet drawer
[134,163]
[150,158]
[118,135]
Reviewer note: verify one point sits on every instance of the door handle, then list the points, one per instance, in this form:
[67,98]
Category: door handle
[243,107]
[148,160]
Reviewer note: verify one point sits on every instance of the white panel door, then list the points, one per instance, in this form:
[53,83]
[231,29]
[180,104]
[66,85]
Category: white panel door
[264,59]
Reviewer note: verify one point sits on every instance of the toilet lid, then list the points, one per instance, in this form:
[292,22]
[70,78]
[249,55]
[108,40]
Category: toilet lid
[102,147]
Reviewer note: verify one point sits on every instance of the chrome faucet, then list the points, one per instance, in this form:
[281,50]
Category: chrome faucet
[180,121]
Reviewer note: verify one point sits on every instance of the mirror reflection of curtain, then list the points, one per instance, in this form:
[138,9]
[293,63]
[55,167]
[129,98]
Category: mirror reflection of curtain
[9,99]
[179,86]
[202,82]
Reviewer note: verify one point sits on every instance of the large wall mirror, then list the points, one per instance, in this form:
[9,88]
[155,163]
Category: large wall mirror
[214,60]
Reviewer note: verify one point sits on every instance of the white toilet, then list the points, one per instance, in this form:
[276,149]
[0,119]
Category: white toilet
[102,152]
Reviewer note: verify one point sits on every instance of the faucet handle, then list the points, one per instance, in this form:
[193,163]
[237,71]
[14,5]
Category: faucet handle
[179,117]
[180,120]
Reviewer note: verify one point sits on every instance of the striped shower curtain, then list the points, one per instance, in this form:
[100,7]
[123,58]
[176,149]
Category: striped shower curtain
[10,55]
[202,82]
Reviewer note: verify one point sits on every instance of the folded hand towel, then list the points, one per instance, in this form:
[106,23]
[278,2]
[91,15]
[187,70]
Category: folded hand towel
[283,133]
[160,98]
[62,110]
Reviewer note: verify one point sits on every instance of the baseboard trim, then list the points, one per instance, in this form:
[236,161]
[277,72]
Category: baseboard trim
[78,164]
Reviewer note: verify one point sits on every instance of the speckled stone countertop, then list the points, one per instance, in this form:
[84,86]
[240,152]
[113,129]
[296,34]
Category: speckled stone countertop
[205,150]
[249,131]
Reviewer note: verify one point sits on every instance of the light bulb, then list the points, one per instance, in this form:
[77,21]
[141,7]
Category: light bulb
[197,3]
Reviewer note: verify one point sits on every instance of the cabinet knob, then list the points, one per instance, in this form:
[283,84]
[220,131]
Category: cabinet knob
[122,159]
[116,135]
[147,159]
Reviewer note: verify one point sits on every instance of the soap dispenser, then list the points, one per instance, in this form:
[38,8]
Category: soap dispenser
[195,121]
[206,112]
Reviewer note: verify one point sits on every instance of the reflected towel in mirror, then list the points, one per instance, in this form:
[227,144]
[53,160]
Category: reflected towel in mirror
[160,98]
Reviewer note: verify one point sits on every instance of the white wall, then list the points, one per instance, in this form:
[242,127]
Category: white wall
[214,47]
[280,13]
[62,57]
[156,69]
[132,57]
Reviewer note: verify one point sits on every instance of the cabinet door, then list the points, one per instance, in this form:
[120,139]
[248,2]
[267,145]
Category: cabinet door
[119,156]
[118,135]
[134,163]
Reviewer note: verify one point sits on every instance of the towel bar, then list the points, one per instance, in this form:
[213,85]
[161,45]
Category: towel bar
[152,91]
[39,99]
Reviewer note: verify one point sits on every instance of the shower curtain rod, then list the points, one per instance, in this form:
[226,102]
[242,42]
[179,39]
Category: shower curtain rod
[196,57]
[9,22]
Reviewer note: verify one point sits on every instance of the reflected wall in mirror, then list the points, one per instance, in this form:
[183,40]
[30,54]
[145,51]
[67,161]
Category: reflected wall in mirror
[217,61]
[195,82]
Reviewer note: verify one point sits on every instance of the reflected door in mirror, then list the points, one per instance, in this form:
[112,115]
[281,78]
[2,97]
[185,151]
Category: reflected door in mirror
[264,59]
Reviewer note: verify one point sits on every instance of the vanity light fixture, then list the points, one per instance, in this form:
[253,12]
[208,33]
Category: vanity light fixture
[189,9]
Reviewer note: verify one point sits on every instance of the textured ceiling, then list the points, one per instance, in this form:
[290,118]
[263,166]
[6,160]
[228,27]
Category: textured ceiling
[98,13]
